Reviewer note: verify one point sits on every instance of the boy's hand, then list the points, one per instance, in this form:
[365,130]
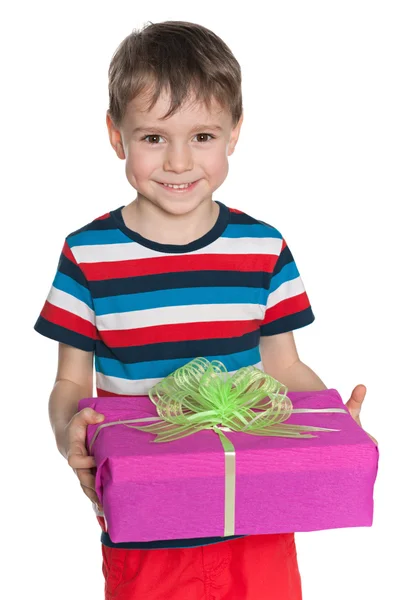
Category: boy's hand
[354,405]
[84,466]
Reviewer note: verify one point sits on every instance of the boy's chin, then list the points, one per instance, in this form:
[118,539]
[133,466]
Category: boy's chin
[179,206]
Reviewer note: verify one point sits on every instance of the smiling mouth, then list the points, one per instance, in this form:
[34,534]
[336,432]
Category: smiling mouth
[179,186]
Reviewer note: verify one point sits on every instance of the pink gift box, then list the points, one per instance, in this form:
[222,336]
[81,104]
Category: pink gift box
[176,490]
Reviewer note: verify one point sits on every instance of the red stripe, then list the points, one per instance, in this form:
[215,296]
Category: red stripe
[287,307]
[177,264]
[103,217]
[69,320]
[67,252]
[104,394]
[235,210]
[177,333]
[102,522]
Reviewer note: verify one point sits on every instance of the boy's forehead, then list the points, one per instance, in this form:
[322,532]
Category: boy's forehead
[191,113]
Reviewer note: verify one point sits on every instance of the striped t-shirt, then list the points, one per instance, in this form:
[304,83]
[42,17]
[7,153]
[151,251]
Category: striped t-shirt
[145,309]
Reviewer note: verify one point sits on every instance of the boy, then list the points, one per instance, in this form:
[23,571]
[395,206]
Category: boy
[171,276]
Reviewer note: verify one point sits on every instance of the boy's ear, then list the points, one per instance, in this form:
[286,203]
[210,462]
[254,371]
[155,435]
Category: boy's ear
[234,136]
[115,137]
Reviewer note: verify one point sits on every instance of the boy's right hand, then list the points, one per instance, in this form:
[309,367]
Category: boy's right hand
[82,463]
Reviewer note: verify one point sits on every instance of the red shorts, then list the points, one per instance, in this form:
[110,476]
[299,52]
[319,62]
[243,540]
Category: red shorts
[255,567]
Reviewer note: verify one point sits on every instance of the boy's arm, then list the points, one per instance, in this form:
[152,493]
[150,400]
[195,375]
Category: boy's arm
[74,380]
[281,360]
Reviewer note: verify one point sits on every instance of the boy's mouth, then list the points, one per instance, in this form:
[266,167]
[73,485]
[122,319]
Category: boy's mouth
[182,187]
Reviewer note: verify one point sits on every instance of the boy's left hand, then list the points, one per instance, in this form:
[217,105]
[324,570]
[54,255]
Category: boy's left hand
[354,406]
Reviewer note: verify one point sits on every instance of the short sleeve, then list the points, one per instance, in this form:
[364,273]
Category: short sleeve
[287,306]
[67,315]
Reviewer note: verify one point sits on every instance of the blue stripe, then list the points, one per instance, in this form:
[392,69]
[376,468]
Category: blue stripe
[179,297]
[70,286]
[249,231]
[94,237]
[288,273]
[162,368]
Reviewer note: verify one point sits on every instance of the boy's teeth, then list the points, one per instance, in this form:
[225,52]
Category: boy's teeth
[176,187]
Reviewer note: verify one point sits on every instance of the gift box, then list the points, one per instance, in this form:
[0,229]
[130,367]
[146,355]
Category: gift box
[199,486]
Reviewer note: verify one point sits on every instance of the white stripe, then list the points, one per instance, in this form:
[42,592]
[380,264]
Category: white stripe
[138,387]
[289,289]
[127,387]
[133,250]
[99,513]
[71,304]
[257,366]
[168,315]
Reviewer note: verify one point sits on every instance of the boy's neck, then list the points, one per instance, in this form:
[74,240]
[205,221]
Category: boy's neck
[152,223]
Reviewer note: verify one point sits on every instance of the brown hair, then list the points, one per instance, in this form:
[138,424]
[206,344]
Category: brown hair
[177,57]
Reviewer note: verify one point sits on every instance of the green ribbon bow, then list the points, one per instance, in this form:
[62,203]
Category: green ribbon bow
[201,395]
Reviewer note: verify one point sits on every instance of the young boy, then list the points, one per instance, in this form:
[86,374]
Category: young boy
[171,276]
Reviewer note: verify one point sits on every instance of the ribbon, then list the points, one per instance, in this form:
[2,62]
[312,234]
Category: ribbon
[201,395]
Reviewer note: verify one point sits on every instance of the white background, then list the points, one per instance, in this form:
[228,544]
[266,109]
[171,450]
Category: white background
[318,158]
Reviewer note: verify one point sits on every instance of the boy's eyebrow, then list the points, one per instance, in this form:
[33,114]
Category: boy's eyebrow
[157,128]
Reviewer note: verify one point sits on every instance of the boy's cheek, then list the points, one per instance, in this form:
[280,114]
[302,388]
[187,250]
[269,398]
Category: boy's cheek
[218,168]
[141,166]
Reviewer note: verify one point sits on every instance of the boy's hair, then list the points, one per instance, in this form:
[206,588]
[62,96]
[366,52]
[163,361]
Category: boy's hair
[179,58]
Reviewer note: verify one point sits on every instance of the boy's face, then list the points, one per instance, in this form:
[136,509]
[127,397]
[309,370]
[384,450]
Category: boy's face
[192,146]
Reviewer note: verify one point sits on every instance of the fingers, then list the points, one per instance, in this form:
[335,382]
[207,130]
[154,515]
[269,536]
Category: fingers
[358,395]
[87,481]
[76,436]
[78,425]
[355,412]
[78,457]
[88,415]
[77,454]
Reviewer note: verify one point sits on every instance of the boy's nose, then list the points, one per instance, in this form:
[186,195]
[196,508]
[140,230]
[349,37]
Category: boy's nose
[178,159]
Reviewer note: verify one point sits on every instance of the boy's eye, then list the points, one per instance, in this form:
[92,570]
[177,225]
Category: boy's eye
[203,135]
[153,139]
